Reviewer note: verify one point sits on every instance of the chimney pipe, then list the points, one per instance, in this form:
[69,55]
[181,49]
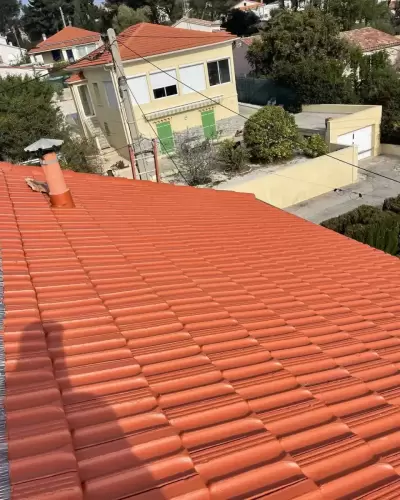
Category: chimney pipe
[60,195]
[44,36]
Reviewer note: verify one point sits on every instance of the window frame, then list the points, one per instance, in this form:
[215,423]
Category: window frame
[97,94]
[115,93]
[183,85]
[90,100]
[219,73]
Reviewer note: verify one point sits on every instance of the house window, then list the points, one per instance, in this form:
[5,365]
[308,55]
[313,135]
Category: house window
[96,91]
[84,50]
[86,100]
[57,55]
[164,84]
[218,72]
[193,78]
[110,94]
[140,90]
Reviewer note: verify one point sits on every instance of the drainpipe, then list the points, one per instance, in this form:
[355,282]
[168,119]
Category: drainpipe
[60,195]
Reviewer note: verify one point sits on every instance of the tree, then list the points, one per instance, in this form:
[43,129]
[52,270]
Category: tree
[43,17]
[304,52]
[86,14]
[241,23]
[125,17]
[27,113]
[9,10]
[358,13]
[271,134]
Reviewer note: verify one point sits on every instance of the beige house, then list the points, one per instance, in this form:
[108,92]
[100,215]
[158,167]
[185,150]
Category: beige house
[68,45]
[371,40]
[180,81]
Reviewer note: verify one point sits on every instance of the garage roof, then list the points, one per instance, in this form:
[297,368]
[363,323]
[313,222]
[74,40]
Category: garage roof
[170,342]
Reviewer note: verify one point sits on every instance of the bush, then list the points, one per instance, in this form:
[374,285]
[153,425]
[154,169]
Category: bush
[81,155]
[195,160]
[314,146]
[232,155]
[371,225]
[118,165]
[271,134]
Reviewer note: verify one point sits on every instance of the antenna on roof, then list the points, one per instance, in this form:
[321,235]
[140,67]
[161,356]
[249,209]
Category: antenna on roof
[62,17]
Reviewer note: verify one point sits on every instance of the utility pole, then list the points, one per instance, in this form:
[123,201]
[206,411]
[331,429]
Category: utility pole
[62,17]
[126,101]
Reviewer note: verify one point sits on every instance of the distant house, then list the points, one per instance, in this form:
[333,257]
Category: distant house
[177,79]
[262,10]
[240,48]
[9,54]
[371,40]
[69,44]
[28,70]
[191,23]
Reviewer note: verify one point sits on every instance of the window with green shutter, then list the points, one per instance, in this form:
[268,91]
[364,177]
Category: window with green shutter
[165,136]
[208,121]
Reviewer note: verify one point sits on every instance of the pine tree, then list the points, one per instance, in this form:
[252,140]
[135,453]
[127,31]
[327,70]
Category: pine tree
[9,10]
[43,17]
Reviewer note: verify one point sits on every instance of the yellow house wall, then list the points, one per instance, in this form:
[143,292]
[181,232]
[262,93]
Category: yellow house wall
[188,119]
[47,58]
[105,113]
[357,117]
[302,181]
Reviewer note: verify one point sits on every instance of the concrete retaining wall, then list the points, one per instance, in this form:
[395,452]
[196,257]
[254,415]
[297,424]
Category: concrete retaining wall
[390,149]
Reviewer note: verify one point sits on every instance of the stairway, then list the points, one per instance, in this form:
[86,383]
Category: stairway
[93,126]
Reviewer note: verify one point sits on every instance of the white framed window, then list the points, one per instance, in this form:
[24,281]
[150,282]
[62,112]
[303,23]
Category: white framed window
[97,95]
[84,50]
[139,88]
[218,72]
[86,100]
[110,94]
[193,78]
[164,83]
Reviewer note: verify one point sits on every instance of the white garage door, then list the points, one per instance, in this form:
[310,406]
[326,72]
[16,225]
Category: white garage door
[362,138]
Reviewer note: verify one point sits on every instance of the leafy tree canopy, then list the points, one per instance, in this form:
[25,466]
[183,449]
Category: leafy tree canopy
[125,17]
[358,13]
[9,11]
[241,23]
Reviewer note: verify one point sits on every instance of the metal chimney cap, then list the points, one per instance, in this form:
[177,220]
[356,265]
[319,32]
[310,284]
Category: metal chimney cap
[44,145]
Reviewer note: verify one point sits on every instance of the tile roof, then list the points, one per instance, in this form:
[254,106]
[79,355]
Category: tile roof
[253,6]
[67,37]
[151,39]
[168,342]
[370,39]
[194,20]
[78,77]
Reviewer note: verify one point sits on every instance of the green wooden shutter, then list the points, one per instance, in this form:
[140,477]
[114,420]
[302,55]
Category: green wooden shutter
[165,137]
[208,121]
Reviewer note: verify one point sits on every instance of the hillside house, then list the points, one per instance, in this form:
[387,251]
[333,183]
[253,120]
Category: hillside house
[177,78]
[68,45]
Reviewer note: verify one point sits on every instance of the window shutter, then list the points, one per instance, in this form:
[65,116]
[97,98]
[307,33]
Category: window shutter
[139,88]
[161,79]
[194,77]
[110,92]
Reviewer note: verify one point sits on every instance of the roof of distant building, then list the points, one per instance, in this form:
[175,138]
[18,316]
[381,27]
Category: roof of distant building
[67,37]
[166,342]
[200,22]
[369,39]
[76,78]
[145,39]
[252,6]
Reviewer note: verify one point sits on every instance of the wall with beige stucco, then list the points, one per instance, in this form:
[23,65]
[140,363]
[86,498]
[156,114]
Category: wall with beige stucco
[293,184]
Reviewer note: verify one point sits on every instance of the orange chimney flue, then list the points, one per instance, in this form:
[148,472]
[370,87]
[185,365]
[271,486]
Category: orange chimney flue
[60,195]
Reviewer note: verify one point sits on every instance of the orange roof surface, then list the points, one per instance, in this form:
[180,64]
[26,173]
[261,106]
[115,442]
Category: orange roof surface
[252,6]
[67,37]
[168,342]
[151,39]
[78,77]
[370,39]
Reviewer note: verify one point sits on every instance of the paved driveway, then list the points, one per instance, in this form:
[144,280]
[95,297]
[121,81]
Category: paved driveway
[374,190]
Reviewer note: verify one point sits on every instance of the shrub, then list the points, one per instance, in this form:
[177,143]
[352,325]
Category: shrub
[81,155]
[232,155]
[118,165]
[195,160]
[371,225]
[314,146]
[271,134]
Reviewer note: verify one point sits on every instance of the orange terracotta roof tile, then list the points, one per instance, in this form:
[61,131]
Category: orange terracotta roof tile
[67,37]
[78,77]
[167,342]
[370,39]
[252,6]
[147,39]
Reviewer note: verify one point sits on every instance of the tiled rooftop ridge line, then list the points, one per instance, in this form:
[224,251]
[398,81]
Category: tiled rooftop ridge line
[4,465]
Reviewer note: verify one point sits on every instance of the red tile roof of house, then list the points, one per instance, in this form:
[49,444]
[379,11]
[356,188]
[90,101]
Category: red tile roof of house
[78,77]
[253,6]
[67,37]
[152,39]
[369,39]
[167,342]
